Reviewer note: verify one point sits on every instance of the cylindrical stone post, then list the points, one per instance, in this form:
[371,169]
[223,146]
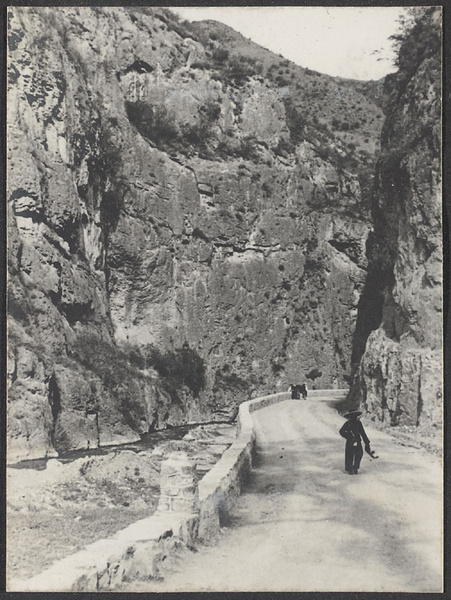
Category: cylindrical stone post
[178,485]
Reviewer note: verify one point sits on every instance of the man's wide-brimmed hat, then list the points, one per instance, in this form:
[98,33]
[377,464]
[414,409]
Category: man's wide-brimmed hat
[352,413]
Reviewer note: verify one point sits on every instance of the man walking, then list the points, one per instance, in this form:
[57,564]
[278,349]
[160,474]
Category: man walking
[353,432]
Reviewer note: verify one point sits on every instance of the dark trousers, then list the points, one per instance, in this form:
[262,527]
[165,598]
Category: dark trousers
[353,456]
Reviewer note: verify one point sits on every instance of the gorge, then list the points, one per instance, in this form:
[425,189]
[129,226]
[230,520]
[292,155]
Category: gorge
[193,221]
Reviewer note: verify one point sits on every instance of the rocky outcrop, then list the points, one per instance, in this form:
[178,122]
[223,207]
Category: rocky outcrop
[398,342]
[173,248]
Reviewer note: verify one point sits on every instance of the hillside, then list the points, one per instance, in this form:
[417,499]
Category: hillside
[343,118]
[346,112]
[186,231]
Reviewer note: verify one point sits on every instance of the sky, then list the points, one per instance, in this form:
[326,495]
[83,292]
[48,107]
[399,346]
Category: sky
[338,41]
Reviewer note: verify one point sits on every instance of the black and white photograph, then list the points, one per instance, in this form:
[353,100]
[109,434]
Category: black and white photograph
[225,299]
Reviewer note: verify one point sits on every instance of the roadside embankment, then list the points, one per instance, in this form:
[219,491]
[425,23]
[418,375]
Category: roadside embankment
[138,552]
[59,507]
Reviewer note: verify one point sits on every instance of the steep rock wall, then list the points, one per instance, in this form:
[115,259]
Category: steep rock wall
[167,260]
[398,373]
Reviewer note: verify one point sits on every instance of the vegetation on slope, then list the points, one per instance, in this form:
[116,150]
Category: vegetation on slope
[404,248]
[342,118]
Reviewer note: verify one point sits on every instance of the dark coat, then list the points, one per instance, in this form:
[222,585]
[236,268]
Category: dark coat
[353,431]
[298,390]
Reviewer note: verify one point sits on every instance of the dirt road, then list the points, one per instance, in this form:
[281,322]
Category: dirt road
[303,524]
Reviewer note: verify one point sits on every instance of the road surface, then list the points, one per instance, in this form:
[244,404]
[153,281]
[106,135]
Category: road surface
[303,524]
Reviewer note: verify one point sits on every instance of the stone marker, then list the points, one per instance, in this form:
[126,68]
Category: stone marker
[178,485]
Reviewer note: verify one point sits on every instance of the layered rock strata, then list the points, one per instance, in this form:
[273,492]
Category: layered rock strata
[172,251]
[398,344]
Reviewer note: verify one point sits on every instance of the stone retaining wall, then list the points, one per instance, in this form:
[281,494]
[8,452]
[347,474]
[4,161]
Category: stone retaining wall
[138,551]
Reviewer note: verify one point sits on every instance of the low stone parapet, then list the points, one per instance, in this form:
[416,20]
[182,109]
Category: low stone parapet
[186,512]
[338,394]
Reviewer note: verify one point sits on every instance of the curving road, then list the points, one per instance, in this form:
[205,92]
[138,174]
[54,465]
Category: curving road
[303,524]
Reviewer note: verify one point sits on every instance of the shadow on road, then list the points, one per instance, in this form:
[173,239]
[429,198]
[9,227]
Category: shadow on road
[305,482]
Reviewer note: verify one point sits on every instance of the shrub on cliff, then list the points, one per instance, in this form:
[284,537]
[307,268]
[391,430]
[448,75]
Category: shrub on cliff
[203,65]
[418,38]
[220,55]
[157,122]
[99,148]
[295,121]
[196,134]
[200,132]
[227,381]
[119,376]
[239,68]
[104,359]
[248,148]
[211,109]
[121,369]
[177,368]
[284,147]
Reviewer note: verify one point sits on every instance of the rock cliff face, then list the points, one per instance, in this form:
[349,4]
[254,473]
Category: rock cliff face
[398,373]
[174,247]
